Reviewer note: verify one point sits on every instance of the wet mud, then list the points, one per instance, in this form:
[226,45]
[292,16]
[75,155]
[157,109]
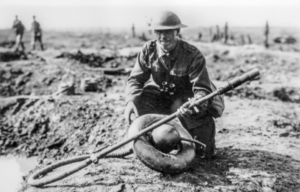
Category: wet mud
[59,103]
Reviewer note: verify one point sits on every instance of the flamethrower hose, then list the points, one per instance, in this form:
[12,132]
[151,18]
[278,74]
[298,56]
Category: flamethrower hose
[203,146]
[34,179]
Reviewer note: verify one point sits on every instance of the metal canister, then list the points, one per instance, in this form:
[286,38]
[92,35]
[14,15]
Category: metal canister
[172,88]
[164,87]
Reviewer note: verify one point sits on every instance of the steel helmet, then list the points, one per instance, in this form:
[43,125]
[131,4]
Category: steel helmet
[165,138]
[166,20]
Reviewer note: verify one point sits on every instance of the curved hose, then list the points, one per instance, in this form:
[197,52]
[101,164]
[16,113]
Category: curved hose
[194,141]
[157,160]
[34,180]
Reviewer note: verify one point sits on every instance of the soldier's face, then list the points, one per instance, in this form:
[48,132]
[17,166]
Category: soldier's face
[167,39]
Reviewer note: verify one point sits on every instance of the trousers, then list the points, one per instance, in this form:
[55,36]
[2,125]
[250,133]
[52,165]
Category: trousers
[36,38]
[19,42]
[202,127]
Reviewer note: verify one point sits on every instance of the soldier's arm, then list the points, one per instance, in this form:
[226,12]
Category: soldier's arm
[139,75]
[199,78]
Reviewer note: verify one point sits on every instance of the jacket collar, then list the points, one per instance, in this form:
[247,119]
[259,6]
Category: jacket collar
[172,54]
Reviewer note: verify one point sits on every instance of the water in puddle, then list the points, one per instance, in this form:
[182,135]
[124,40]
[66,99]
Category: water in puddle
[12,170]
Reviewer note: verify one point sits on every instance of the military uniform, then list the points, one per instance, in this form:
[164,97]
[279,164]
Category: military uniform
[159,79]
[19,31]
[36,34]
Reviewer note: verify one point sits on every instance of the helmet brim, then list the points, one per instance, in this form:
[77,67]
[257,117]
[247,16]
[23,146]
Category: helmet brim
[163,27]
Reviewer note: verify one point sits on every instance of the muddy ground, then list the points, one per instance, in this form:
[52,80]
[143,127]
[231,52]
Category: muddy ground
[63,102]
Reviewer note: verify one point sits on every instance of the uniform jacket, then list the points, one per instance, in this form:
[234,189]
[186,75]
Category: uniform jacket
[36,28]
[18,27]
[184,66]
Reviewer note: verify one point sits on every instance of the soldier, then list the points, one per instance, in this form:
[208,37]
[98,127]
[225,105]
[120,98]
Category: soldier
[168,72]
[19,29]
[36,34]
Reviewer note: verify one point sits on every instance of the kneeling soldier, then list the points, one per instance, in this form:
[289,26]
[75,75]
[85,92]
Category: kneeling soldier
[168,72]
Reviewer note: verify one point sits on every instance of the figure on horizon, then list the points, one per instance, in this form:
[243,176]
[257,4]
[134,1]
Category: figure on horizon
[36,34]
[19,29]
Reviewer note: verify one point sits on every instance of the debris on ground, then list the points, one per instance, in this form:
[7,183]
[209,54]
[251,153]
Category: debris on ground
[59,107]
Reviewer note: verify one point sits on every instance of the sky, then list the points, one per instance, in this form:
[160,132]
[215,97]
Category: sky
[94,14]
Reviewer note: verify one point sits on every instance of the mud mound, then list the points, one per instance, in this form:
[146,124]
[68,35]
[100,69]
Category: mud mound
[7,44]
[50,127]
[275,67]
[90,59]
[286,94]
[257,137]
[11,56]
[231,170]
[257,171]
[13,81]
[248,92]
[41,78]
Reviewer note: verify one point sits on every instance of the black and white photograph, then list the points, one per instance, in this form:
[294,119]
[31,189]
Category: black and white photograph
[149,96]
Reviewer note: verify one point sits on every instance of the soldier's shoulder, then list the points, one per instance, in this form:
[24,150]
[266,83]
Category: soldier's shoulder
[190,48]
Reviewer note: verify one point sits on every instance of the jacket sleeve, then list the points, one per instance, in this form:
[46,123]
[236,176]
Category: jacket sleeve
[198,74]
[138,76]
[199,78]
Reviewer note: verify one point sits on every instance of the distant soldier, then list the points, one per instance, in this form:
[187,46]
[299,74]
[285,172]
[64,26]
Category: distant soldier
[36,34]
[199,36]
[19,29]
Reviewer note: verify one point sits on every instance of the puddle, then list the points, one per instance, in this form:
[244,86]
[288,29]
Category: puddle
[12,169]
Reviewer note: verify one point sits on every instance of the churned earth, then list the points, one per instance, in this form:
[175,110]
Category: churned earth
[61,103]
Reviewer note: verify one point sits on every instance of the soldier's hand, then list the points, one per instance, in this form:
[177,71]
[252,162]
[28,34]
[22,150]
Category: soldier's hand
[131,112]
[185,111]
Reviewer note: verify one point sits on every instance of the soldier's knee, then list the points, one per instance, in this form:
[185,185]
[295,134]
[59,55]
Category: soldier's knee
[205,133]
